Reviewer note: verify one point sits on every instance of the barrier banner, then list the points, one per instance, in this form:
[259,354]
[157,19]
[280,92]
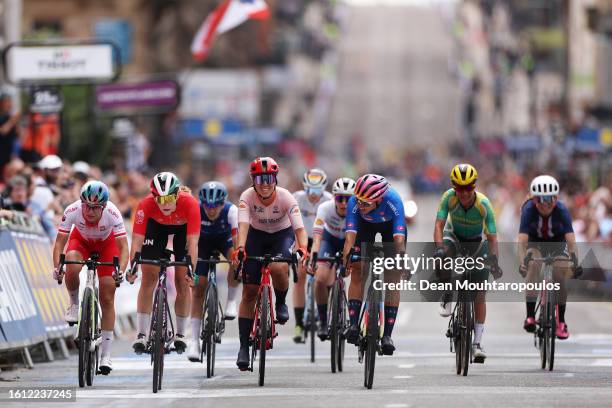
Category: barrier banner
[20,321]
[34,253]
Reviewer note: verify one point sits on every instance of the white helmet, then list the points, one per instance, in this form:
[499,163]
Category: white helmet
[314,178]
[344,186]
[544,186]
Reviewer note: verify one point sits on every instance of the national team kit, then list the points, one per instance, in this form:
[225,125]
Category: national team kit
[268,220]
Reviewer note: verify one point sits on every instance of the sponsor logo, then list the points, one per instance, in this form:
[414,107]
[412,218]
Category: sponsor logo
[71,209]
[242,205]
[319,221]
[401,228]
[295,210]
[113,213]
[149,242]
[102,227]
[140,217]
[393,208]
[258,210]
[275,210]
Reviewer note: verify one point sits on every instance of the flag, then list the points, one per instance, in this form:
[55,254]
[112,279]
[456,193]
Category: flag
[229,14]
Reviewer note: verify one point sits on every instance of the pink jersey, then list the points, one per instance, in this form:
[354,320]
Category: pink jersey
[110,223]
[282,213]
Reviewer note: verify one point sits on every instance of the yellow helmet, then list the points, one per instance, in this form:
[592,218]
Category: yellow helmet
[463,175]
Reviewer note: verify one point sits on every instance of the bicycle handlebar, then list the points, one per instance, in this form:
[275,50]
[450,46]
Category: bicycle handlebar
[93,262]
[267,260]
[212,261]
[162,262]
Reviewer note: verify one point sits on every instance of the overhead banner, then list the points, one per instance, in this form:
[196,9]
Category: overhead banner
[20,321]
[30,63]
[161,95]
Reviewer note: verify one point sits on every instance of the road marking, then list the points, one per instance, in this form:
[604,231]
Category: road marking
[406,366]
[396,405]
[402,377]
[607,362]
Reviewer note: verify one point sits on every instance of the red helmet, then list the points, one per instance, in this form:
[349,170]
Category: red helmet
[263,165]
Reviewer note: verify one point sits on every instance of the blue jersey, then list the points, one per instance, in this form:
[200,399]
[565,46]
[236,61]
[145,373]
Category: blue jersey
[545,229]
[223,225]
[390,208]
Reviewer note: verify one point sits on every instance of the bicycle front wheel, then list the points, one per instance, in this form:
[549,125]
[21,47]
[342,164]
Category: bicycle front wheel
[334,336]
[312,321]
[372,334]
[458,337]
[84,335]
[211,322]
[264,329]
[92,355]
[552,318]
[466,347]
[543,336]
[159,346]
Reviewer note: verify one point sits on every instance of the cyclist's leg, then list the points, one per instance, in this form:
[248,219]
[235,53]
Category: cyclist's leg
[183,293]
[392,297]
[299,292]
[250,285]
[531,296]
[324,276]
[280,244]
[561,272]
[76,250]
[156,239]
[232,283]
[450,242]
[197,295]
[108,250]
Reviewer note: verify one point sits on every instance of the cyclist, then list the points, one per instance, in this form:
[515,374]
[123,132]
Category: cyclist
[170,209]
[98,227]
[217,234]
[268,220]
[308,199]
[375,208]
[328,238]
[546,230]
[464,214]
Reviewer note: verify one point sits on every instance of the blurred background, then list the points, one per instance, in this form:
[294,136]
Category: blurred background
[404,88]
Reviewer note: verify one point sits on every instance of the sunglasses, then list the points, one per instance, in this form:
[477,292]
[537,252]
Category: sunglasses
[464,189]
[362,203]
[169,199]
[93,207]
[342,198]
[315,191]
[212,206]
[545,199]
[264,179]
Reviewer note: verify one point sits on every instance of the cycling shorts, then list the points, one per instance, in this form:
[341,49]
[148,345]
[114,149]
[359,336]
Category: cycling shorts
[207,246]
[156,240]
[106,249]
[260,243]
[366,234]
[330,245]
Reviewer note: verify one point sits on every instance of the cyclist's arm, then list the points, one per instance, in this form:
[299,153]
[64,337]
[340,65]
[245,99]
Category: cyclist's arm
[349,243]
[570,238]
[316,242]
[232,218]
[137,241]
[317,230]
[122,244]
[58,247]
[522,246]
[243,232]
[192,248]
[400,242]
[492,239]
[302,237]
[439,232]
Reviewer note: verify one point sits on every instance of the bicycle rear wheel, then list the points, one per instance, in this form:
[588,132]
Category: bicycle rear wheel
[372,334]
[334,336]
[467,324]
[552,318]
[84,335]
[159,346]
[211,323]
[264,328]
[312,321]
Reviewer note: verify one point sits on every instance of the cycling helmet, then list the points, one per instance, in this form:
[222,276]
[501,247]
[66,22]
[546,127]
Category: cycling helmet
[164,183]
[371,187]
[213,192]
[463,175]
[94,192]
[544,186]
[263,165]
[314,178]
[344,186]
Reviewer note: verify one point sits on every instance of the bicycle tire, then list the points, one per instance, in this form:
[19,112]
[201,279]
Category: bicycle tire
[84,334]
[312,321]
[334,337]
[159,341]
[543,337]
[458,337]
[343,324]
[468,324]
[264,327]
[552,335]
[92,359]
[372,334]
[211,320]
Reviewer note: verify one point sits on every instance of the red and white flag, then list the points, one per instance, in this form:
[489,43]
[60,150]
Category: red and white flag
[229,14]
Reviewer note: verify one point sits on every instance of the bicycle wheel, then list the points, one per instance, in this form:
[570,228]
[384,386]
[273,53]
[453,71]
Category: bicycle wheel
[467,337]
[543,336]
[312,320]
[372,334]
[458,337]
[264,328]
[211,323]
[552,318]
[334,337]
[92,359]
[343,323]
[159,340]
[84,335]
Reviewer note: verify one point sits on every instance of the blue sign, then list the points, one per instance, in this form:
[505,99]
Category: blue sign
[119,32]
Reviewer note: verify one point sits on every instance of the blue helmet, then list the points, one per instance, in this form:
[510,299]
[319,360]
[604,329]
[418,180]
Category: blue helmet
[213,193]
[94,192]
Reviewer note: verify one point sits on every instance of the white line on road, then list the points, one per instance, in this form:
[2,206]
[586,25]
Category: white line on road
[402,377]
[406,366]
[396,406]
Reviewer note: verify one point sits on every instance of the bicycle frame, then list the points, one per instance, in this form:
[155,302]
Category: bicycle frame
[169,332]
[266,284]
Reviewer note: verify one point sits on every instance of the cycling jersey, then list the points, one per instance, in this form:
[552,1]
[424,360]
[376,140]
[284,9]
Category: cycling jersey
[282,213]
[224,225]
[187,213]
[467,223]
[111,222]
[308,209]
[328,220]
[545,229]
[390,209]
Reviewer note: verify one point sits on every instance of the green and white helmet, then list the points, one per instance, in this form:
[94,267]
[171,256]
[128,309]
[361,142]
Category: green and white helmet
[164,183]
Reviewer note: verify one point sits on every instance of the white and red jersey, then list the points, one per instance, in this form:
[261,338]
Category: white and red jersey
[329,220]
[308,209]
[282,213]
[111,222]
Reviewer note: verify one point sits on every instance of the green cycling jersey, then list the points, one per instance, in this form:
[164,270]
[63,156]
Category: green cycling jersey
[470,223]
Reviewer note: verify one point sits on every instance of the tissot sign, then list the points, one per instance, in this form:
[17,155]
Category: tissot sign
[38,63]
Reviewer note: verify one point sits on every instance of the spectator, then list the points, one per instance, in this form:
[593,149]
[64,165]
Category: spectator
[46,188]
[8,129]
[137,152]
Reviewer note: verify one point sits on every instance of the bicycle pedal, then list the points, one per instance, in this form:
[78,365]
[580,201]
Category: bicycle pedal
[479,360]
[71,323]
